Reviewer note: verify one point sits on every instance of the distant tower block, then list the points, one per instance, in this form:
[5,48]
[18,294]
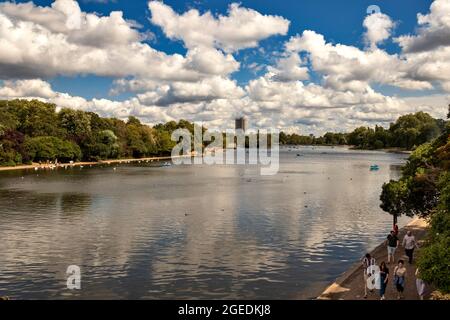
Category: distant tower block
[241,123]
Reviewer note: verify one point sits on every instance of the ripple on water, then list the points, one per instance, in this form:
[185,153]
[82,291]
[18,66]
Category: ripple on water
[192,232]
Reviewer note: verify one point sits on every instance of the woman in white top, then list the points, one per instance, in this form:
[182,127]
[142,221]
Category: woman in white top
[367,261]
[420,284]
[399,278]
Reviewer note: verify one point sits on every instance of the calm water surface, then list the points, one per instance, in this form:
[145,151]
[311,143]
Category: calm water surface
[148,232]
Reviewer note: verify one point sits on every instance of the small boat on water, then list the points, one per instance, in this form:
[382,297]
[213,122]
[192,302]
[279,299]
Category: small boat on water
[374,167]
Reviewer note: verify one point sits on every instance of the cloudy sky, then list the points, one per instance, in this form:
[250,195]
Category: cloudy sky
[307,65]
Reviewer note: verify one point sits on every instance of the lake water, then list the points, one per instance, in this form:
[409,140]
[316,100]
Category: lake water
[148,232]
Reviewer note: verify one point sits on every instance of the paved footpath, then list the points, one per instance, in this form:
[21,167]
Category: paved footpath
[350,286]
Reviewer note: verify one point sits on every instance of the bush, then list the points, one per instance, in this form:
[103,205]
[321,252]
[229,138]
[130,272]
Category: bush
[378,144]
[52,148]
[7,158]
[434,263]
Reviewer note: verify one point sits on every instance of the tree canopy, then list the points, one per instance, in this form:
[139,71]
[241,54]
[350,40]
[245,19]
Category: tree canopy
[108,138]
[408,132]
[424,190]
[35,131]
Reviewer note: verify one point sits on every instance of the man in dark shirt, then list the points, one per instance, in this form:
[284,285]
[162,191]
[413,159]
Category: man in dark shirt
[392,244]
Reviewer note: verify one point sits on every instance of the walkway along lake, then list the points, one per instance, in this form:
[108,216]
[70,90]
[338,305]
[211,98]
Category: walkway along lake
[147,232]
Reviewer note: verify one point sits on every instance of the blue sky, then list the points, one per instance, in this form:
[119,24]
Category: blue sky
[339,21]
[307,66]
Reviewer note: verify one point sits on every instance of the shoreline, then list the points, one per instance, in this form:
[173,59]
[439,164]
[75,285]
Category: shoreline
[37,166]
[350,147]
[348,286]
[51,166]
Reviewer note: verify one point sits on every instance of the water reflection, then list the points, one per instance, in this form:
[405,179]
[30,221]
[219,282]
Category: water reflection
[72,204]
[192,231]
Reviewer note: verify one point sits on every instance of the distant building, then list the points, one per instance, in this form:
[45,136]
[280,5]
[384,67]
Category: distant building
[241,123]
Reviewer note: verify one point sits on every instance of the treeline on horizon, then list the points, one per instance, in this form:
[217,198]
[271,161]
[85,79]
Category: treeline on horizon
[33,131]
[408,132]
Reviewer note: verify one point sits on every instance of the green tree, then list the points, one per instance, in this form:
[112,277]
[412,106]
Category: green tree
[394,198]
[34,118]
[360,137]
[434,260]
[52,148]
[76,123]
[424,190]
[105,146]
[96,137]
[7,119]
[165,143]
[413,129]
[11,148]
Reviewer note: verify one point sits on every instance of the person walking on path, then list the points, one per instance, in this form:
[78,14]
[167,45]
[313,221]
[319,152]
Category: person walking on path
[384,278]
[367,262]
[420,284]
[395,228]
[399,278]
[392,244]
[409,243]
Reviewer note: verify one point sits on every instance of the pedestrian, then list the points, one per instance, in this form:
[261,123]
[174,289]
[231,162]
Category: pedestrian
[384,278]
[399,278]
[409,243]
[367,262]
[395,228]
[420,284]
[392,243]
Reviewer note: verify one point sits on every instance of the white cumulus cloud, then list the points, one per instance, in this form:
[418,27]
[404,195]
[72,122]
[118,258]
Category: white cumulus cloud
[241,28]
[41,42]
[379,27]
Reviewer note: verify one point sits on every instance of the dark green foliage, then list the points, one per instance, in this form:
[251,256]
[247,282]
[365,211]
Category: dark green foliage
[295,139]
[35,131]
[165,144]
[76,125]
[406,133]
[52,148]
[393,198]
[424,190]
[11,148]
[361,137]
[331,138]
[32,118]
[105,146]
[413,130]
[434,262]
